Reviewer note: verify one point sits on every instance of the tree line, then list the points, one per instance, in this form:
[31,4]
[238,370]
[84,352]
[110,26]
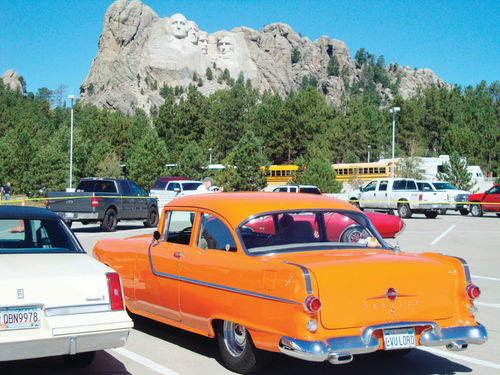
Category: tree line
[244,129]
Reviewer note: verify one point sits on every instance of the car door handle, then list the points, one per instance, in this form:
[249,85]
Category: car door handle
[177,254]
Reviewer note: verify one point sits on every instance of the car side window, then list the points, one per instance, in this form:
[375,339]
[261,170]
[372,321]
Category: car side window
[178,227]
[410,185]
[383,186]
[371,186]
[125,187]
[399,185]
[136,190]
[173,186]
[214,234]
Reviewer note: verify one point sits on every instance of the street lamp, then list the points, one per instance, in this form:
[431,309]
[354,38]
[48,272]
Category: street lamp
[210,158]
[369,147]
[72,98]
[393,111]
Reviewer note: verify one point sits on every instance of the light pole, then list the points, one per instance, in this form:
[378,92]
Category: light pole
[210,157]
[393,111]
[369,147]
[72,98]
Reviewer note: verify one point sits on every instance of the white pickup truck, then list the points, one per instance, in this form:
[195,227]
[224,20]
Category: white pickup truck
[175,189]
[399,194]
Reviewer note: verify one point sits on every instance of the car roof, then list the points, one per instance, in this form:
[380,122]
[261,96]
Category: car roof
[20,212]
[236,207]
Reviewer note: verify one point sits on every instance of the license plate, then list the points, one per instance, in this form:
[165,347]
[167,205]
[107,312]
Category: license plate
[400,338]
[20,318]
[69,214]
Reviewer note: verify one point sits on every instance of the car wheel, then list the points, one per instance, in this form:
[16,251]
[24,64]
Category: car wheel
[498,215]
[110,221]
[152,219]
[79,359]
[352,234]
[404,210]
[476,210]
[431,214]
[464,212]
[237,349]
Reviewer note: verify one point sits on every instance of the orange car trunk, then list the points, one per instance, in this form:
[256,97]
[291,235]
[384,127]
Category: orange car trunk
[354,285]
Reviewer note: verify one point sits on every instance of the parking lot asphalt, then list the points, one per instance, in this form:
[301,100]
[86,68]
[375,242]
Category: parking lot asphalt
[155,348]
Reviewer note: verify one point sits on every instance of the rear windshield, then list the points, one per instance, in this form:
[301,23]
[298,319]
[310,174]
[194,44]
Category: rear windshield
[36,236]
[310,190]
[159,185]
[289,231]
[444,186]
[191,185]
[99,186]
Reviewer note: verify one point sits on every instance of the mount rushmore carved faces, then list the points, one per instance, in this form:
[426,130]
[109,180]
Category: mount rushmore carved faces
[226,45]
[193,32]
[203,42]
[178,26]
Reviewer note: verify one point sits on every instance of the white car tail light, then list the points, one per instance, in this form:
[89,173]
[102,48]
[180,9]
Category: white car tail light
[115,291]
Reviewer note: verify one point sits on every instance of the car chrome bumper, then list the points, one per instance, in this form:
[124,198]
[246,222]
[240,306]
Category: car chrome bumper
[71,344]
[75,216]
[340,350]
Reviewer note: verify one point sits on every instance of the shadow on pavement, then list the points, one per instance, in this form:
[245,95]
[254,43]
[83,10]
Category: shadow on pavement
[104,363]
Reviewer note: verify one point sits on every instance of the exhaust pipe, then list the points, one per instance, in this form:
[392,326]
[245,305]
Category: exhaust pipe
[457,346]
[340,358]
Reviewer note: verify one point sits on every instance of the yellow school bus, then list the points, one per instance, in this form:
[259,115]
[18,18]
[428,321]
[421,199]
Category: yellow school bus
[363,171]
[280,174]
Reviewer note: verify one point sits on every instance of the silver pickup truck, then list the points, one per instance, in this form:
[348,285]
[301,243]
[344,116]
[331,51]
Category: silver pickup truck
[104,200]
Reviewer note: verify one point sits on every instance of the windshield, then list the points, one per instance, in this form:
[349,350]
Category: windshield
[36,236]
[190,185]
[444,186]
[288,231]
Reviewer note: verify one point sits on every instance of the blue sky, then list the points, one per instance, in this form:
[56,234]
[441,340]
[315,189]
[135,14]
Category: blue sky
[53,42]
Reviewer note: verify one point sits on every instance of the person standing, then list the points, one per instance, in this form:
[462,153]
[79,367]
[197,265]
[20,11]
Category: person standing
[7,191]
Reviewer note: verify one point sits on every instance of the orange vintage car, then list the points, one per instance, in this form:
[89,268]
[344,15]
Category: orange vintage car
[269,272]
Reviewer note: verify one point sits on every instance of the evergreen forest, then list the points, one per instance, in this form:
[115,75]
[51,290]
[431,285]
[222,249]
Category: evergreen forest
[239,127]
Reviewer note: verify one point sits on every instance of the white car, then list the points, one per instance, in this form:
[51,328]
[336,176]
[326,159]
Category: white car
[54,298]
[458,198]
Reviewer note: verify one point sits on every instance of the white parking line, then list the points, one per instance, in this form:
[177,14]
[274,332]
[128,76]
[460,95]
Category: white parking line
[438,238]
[460,357]
[495,305]
[485,278]
[144,361]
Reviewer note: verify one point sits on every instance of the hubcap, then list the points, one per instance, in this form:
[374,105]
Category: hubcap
[235,338]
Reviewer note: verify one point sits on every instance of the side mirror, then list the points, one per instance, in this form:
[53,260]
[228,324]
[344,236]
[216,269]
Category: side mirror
[361,189]
[156,235]
[177,190]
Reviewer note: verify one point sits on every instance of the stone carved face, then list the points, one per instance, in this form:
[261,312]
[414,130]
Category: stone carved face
[178,26]
[193,32]
[203,42]
[226,45]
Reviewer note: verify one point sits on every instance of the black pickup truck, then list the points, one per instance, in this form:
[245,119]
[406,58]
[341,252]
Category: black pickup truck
[104,200]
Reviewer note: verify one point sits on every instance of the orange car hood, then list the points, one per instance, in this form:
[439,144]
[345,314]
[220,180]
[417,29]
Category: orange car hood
[353,286]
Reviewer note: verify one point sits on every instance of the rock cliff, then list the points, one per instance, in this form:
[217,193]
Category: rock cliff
[11,79]
[139,53]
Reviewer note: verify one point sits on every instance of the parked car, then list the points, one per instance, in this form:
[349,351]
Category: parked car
[400,194]
[266,272]
[457,198]
[489,201]
[104,200]
[54,298]
[309,189]
[161,183]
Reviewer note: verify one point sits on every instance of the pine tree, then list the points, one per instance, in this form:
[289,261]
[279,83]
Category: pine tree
[248,160]
[333,68]
[455,172]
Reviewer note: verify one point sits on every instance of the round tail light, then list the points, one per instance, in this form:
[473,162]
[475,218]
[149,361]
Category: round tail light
[312,304]
[473,291]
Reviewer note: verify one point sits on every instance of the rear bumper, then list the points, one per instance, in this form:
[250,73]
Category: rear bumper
[76,216]
[340,350]
[60,345]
